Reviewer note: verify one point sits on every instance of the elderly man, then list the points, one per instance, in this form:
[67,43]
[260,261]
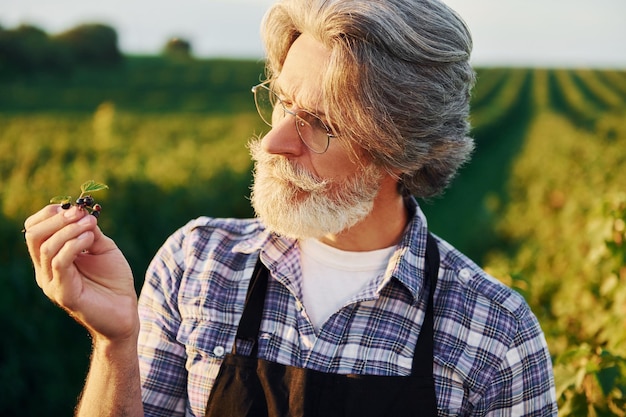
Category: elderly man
[335,300]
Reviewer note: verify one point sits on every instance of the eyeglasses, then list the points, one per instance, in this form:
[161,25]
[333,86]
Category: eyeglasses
[312,130]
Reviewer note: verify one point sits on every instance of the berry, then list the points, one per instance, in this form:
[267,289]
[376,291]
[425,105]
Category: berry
[84,201]
[95,214]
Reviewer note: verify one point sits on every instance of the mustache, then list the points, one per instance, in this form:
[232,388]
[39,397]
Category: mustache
[282,169]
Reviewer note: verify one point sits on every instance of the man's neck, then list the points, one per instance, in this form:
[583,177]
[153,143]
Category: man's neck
[382,228]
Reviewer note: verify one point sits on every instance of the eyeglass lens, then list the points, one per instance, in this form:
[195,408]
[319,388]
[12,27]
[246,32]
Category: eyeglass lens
[312,131]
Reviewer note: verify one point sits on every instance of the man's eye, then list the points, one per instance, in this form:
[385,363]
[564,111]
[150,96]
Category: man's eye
[321,124]
[304,120]
[316,122]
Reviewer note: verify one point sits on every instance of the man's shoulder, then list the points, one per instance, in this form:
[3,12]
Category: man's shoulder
[206,245]
[487,334]
[468,286]
[205,235]
[232,227]
[215,228]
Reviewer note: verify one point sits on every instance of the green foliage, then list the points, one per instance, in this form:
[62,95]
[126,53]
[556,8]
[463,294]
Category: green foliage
[139,84]
[563,242]
[542,205]
[177,48]
[162,171]
[27,49]
[92,44]
[92,186]
[87,187]
[501,100]
[591,382]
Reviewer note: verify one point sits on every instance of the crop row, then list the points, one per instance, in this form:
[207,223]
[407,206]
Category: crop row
[563,247]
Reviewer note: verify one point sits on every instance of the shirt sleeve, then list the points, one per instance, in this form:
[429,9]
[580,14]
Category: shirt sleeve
[524,383]
[161,358]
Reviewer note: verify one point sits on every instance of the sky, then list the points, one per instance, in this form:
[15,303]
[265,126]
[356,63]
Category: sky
[547,33]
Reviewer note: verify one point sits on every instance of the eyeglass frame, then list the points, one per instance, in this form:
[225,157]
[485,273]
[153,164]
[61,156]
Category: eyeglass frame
[286,111]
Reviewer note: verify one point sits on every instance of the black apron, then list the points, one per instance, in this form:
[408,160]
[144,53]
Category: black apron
[252,387]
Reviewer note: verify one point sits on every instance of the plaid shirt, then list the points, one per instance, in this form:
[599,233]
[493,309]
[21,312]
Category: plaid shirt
[490,356]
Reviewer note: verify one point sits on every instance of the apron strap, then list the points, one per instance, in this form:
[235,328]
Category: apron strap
[250,323]
[424,348]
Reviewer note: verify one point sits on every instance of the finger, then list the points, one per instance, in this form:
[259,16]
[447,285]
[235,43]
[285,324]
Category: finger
[47,258]
[45,223]
[43,214]
[35,231]
[65,284]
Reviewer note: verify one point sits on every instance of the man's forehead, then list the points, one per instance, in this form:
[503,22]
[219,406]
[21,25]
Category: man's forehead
[303,70]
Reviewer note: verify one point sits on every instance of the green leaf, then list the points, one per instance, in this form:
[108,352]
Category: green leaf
[61,199]
[606,379]
[91,186]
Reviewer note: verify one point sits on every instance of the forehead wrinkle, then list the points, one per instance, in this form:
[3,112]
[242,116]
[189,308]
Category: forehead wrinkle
[302,73]
[293,92]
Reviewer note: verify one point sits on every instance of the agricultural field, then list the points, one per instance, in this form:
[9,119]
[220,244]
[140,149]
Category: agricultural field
[542,205]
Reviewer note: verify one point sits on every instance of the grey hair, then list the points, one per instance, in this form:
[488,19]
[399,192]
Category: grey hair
[398,84]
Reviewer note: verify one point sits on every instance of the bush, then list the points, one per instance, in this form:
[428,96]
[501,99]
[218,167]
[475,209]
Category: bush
[27,49]
[92,44]
[177,48]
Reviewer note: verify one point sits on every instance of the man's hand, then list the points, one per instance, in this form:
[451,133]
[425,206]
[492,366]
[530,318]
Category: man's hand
[83,271]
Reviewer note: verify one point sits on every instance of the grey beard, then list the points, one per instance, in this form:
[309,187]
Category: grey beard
[293,203]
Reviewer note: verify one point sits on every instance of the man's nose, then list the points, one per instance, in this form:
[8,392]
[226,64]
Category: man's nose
[283,138]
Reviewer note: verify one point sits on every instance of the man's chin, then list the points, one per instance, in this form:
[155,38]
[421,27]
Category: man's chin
[303,207]
[302,220]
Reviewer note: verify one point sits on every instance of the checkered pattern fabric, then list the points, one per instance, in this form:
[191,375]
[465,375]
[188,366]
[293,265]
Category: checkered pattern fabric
[490,353]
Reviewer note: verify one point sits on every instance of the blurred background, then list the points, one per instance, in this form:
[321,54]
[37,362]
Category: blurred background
[156,103]
[513,32]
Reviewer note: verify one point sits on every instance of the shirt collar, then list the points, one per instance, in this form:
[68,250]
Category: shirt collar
[406,264]
[273,246]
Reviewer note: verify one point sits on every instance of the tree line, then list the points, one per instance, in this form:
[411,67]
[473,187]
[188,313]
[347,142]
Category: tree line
[27,49]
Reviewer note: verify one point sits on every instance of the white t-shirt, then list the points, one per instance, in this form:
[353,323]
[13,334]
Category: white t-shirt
[332,277]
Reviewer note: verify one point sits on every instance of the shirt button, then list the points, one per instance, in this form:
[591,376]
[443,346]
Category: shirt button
[465,274]
[299,306]
[218,351]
